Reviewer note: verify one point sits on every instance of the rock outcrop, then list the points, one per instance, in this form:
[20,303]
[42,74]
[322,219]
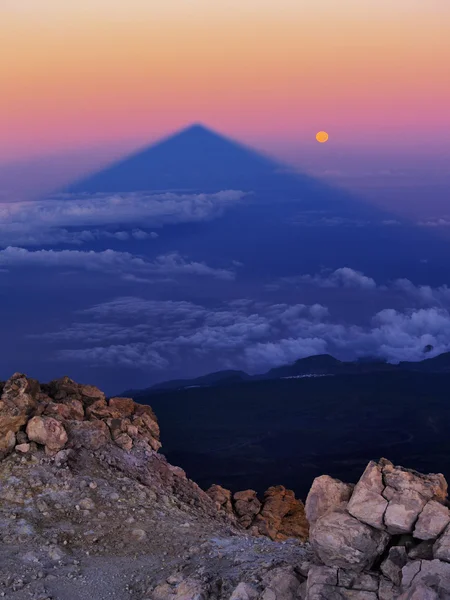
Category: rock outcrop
[387,539]
[279,516]
[65,414]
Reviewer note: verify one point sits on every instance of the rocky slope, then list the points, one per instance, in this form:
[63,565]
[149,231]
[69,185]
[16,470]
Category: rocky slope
[90,509]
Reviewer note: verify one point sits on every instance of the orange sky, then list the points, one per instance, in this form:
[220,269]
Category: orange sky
[85,72]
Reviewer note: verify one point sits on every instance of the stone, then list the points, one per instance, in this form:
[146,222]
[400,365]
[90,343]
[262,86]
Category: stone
[341,540]
[88,434]
[222,497]
[433,574]
[23,448]
[247,506]
[124,441]
[7,443]
[68,410]
[419,592]
[87,504]
[393,564]
[409,571]
[430,487]
[326,494]
[47,432]
[124,406]
[244,591]
[387,590]
[432,521]
[358,581]
[441,548]
[139,535]
[90,394]
[367,503]
[17,402]
[282,582]
[403,510]
[422,551]
[281,515]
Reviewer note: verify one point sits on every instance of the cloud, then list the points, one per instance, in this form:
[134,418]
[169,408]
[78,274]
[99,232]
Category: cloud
[110,261]
[242,334]
[343,277]
[436,222]
[76,219]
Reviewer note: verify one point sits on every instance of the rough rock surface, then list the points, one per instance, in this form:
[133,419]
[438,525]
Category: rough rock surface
[90,509]
[391,540]
[280,515]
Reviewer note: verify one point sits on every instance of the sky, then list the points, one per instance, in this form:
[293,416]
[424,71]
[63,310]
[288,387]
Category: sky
[222,259]
[112,75]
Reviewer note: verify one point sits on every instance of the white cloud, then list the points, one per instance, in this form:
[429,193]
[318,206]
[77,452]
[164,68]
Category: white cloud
[343,277]
[244,333]
[110,261]
[75,219]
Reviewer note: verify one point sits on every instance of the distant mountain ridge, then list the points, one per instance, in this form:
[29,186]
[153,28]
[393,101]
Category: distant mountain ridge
[321,364]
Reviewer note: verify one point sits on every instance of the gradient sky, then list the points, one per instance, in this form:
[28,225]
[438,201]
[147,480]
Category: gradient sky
[373,73]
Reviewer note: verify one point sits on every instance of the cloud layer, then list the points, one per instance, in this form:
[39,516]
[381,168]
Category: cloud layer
[76,219]
[123,264]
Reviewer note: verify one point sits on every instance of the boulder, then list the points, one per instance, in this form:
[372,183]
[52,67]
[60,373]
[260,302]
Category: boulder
[367,503]
[88,434]
[222,497]
[432,521]
[124,441]
[441,548]
[432,576]
[327,583]
[281,512]
[17,403]
[326,493]
[341,540]
[247,506]
[90,394]
[47,432]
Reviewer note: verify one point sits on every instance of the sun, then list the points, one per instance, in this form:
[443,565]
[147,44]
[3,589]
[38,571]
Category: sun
[322,137]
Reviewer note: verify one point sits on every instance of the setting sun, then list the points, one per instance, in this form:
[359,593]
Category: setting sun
[322,137]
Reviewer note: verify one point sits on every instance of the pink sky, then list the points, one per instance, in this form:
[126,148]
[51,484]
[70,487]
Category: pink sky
[111,75]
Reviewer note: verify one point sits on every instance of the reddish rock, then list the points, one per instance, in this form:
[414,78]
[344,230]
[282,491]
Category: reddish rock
[88,434]
[47,432]
[58,389]
[90,394]
[222,498]
[17,403]
[124,441]
[280,504]
[71,409]
[124,406]
[100,410]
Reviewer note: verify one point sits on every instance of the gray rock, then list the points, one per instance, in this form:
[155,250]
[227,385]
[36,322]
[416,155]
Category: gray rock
[392,566]
[432,521]
[244,591]
[341,540]
[325,494]
[367,503]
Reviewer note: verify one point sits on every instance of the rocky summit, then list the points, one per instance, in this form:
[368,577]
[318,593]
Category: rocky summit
[90,508]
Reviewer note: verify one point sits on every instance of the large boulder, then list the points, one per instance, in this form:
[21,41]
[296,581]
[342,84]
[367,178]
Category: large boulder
[326,494]
[330,583]
[407,493]
[7,443]
[340,540]
[367,503]
[47,432]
